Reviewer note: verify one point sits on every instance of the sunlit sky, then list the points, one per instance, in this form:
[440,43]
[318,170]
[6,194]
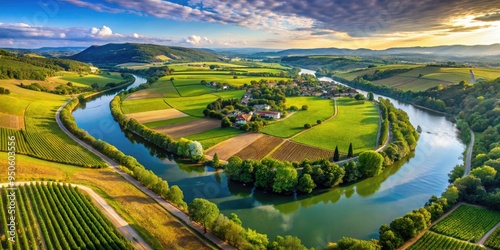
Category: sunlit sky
[374,24]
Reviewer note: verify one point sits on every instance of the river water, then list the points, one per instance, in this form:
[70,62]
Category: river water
[356,210]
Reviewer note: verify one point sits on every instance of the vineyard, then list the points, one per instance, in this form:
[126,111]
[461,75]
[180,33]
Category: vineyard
[494,240]
[21,146]
[260,148]
[53,216]
[293,151]
[468,223]
[436,241]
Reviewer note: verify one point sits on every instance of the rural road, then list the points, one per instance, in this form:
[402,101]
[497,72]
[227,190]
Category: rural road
[468,156]
[114,217]
[181,216]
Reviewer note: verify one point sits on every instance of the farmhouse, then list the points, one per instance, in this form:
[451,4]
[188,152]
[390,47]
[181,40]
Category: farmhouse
[242,119]
[269,114]
[261,107]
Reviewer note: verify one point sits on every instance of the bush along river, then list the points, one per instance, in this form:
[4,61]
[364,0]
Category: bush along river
[356,210]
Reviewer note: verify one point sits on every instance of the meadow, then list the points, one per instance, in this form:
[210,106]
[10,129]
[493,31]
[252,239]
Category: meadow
[319,109]
[87,79]
[44,137]
[141,105]
[66,219]
[214,136]
[467,223]
[356,123]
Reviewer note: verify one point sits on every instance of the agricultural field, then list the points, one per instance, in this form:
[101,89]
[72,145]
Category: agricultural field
[292,151]
[159,228]
[214,136]
[435,241]
[260,148]
[22,145]
[194,90]
[54,216]
[319,109]
[87,79]
[172,121]
[467,223]
[156,115]
[193,106]
[228,147]
[353,74]
[161,88]
[361,119]
[494,240]
[189,128]
[42,134]
[142,105]
[11,121]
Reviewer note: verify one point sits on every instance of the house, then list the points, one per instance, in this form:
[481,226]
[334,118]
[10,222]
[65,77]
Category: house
[261,107]
[269,114]
[242,119]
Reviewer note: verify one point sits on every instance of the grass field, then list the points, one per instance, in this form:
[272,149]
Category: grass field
[170,121]
[353,74]
[356,123]
[435,241]
[494,240]
[319,109]
[467,223]
[194,90]
[194,105]
[161,88]
[159,228]
[214,136]
[141,105]
[65,217]
[42,133]
[88,79]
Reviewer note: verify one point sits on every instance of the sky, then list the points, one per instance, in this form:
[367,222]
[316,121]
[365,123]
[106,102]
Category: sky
[276,24]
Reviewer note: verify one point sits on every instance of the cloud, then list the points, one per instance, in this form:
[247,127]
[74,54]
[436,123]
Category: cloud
[197,40]
[468,29]
[20,32]
[489,18]
[361,18]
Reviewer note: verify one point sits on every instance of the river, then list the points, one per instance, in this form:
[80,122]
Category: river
[327,215]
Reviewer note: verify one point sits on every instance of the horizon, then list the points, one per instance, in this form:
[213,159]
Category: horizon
[266,24]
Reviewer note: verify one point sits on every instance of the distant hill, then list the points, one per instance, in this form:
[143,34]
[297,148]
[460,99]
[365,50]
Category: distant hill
[144,53]
[49,51]
[449,50]
[20,66]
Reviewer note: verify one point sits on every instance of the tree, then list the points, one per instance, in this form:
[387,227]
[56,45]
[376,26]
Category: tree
[307,126]
[203,211]
[486,174]
[196,151]
[370,163]
[260,241]
[226,123]
[285,179]
[350,151]
[370,96]
[216,161]
[306,184]
[352,173]
[95,86]
[172,79]
[336,155]
[176,196]
[287,242]
[352,243]
[233,168]
[359,97]
[318,122]
[161,188]
[305,107]
[451,194]
[234,217]
[457,172]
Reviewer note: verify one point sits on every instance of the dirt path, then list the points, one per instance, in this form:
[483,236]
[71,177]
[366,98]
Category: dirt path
[181,216]
[487,235]
[114,217]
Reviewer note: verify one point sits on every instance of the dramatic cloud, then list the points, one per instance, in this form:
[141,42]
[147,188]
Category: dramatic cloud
[361,18]
[489,18]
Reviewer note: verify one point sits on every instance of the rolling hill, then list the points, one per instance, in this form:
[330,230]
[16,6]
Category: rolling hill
[113,53]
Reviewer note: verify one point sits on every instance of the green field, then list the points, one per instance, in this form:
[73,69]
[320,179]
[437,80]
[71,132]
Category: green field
[319,109]
[88,79]
[194,90]
[353,74]
[238,94]
[141,105]
[170,121]
[44,137]
[467,223]
[161,88]
[194,105]
[356,123]
[61,217]
[436,241]
[494,240]
[211,137]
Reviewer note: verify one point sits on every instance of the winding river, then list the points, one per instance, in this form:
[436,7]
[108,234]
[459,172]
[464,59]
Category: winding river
[327,215]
